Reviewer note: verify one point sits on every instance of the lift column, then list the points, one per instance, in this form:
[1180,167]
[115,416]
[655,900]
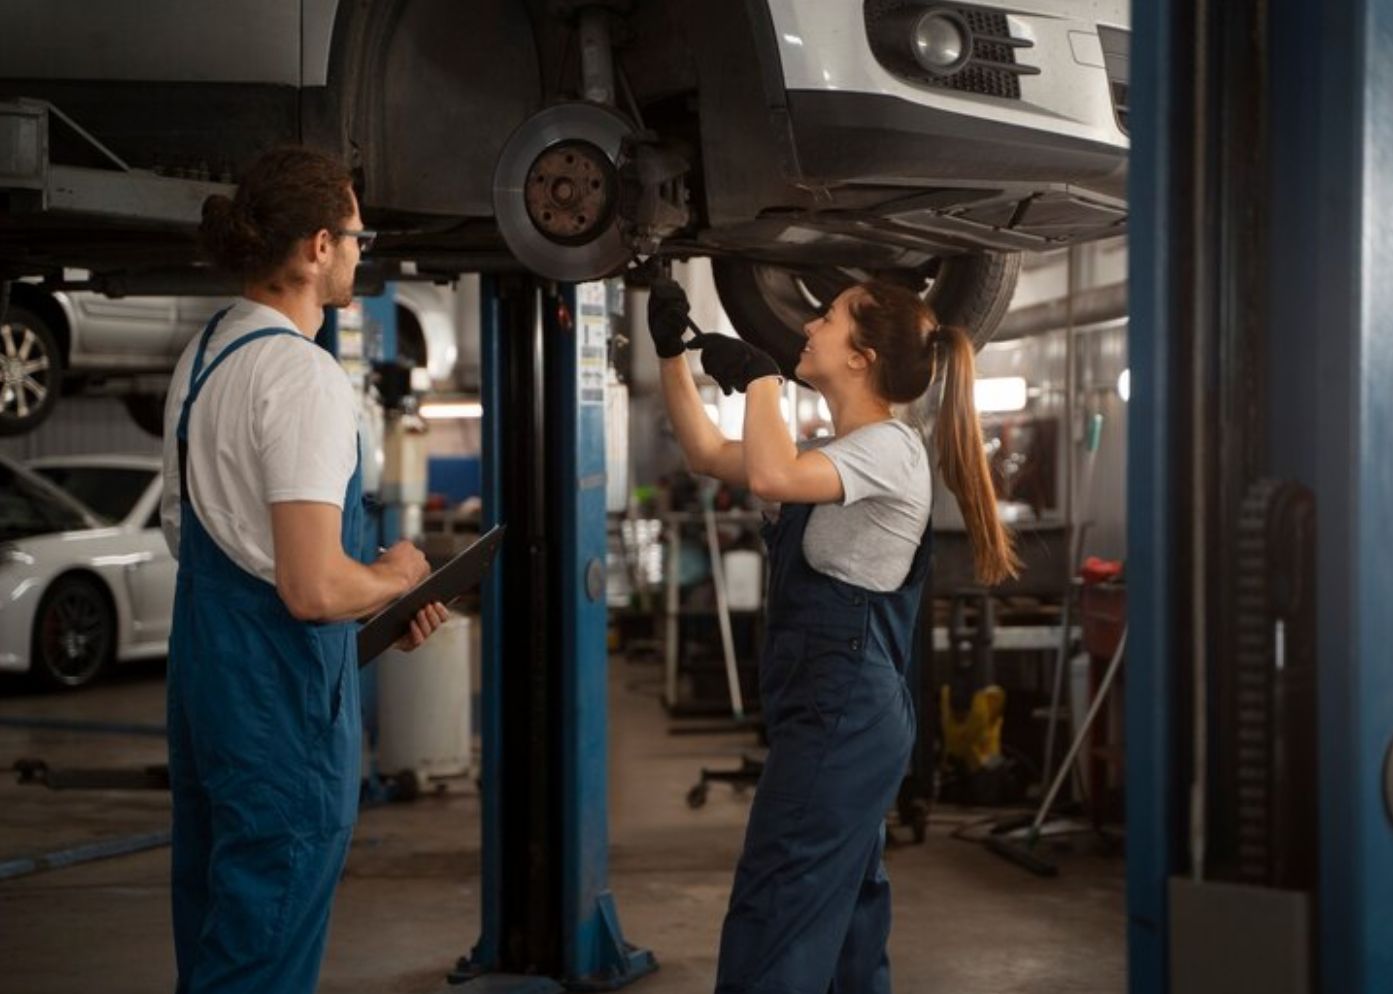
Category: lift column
[548,918]
[1261,349]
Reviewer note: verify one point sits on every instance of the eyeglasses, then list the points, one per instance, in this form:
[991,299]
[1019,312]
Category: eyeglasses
[365,237]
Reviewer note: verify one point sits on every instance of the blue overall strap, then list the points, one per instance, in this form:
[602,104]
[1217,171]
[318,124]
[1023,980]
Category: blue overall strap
[196,381]
[200,377]
[203,341]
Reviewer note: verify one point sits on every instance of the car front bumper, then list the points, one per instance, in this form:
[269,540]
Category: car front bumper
[19,600]
[1064,88]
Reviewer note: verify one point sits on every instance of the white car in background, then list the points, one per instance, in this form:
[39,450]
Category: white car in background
[85,576]
[129,345]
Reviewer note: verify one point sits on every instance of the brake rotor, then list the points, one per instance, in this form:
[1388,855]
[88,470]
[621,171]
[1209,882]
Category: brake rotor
[556,192]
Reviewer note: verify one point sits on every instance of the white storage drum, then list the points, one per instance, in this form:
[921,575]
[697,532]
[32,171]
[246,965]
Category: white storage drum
[744,579]
[423,705]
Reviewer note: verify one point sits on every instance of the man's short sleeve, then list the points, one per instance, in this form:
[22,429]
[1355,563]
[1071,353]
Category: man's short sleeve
[878,460]
[306,426]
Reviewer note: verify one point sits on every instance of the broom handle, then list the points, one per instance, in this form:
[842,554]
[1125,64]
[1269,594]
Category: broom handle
[1081,734]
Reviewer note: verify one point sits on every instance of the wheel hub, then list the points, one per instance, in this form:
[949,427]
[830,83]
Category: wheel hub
[556,192]
[74,644]
[24,363]
[570,191]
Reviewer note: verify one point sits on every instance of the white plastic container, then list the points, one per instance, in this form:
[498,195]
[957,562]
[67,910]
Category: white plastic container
[423,703]
[744,579]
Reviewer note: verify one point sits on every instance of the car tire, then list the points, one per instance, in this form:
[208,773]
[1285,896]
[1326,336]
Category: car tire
[28,341]
[74,634]
[147,411]
[768,305]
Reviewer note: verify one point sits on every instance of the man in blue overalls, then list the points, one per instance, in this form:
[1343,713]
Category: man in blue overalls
[262,506]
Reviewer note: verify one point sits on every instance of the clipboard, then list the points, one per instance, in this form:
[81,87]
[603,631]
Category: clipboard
[446,584]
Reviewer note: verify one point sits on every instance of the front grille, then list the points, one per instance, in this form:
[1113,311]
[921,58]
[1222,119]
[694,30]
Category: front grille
[992,71]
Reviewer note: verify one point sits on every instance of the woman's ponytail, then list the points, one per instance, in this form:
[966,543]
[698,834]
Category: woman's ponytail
[962,459]
[910,349]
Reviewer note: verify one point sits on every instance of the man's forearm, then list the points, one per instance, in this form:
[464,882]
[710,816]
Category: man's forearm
[357,590]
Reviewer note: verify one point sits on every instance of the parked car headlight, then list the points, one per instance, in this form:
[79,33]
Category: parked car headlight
[941,41]
[14,554]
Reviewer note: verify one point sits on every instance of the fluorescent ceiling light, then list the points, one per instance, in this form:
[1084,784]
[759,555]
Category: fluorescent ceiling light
[1124,384]
[452,410]
[995,395]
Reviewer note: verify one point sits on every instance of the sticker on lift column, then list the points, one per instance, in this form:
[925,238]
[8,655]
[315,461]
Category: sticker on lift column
[591,343]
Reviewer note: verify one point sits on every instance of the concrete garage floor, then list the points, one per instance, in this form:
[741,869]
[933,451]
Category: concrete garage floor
[966,922]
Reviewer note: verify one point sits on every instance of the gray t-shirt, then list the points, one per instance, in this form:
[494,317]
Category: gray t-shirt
[870,538]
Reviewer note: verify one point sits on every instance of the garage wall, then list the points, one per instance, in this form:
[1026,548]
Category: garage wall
[79,426]
[1101,355]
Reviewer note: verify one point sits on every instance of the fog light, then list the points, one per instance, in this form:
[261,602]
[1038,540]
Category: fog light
[941,42]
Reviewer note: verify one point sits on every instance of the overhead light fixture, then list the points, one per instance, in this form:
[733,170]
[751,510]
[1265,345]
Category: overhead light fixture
[1124,385]
[1000,394]
[452,410]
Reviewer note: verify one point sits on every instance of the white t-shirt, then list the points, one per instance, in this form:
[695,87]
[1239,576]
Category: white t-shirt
[870,538]
[275,422]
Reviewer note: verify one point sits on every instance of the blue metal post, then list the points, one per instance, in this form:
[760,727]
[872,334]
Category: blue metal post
[380,345]
[486,952]
[1151,699]
[380,324]
[1329,378]
[1331,367]
[327,338]
[551,691]
[382,523]
[594,945]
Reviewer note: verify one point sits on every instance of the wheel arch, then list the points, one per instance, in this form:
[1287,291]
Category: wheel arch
[416,152]
[54,313]
[749,159]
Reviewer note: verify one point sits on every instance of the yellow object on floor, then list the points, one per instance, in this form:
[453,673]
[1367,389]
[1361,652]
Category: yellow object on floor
[973,738]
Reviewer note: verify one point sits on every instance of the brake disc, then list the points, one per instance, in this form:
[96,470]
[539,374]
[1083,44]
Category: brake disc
[556,192]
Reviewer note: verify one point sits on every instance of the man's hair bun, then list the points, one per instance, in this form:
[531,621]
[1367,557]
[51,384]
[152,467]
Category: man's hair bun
[287,194]
[229,238]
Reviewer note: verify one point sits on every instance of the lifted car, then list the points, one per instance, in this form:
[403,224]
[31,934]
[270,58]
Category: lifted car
[801,144]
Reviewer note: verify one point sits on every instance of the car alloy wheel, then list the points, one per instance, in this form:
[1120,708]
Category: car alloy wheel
[29,367]
[74,633]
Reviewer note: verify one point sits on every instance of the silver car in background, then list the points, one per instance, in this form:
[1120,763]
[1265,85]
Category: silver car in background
[52,341]
[85,576]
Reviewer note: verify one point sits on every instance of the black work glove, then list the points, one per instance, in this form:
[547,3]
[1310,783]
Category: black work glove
[668,312]
[734,364]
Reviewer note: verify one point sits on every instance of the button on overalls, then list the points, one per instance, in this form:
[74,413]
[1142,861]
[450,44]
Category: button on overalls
[810,909]
[264,743]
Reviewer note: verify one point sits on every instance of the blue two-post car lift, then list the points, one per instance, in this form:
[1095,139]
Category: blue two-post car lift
[549,920]
[1260,507]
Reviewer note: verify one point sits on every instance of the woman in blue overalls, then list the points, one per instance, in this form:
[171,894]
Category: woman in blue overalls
[848,555]
[263,509]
